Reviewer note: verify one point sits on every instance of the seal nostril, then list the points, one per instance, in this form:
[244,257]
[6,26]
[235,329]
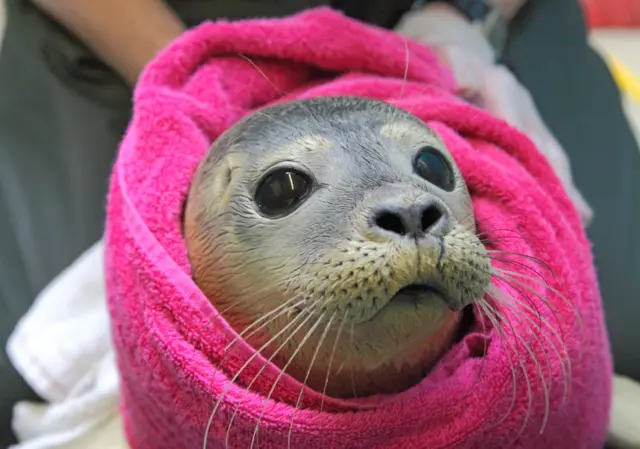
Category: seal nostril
[391,222]
[430,217]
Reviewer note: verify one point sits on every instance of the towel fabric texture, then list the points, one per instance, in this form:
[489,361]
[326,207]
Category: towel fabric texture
[169,339]
[62,348]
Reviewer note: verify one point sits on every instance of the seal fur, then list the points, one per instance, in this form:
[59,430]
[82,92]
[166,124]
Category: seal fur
[346,298]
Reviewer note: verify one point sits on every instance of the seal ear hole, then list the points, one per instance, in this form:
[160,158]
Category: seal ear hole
[226,176]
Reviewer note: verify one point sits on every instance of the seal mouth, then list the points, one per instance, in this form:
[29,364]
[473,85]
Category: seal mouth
[415,292]
[410,297]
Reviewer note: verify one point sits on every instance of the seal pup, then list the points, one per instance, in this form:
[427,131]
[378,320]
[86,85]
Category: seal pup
[347,223]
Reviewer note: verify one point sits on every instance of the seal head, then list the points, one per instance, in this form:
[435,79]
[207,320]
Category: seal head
[343,227]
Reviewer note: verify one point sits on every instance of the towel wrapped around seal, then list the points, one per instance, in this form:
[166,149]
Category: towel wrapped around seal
[516,385]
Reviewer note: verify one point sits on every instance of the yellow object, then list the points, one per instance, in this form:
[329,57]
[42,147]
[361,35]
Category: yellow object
[627,81]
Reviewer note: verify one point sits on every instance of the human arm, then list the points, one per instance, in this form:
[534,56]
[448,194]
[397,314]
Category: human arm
[125,34]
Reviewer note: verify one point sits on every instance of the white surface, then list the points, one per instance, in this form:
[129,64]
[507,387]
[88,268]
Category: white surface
[62,348]
[624,44]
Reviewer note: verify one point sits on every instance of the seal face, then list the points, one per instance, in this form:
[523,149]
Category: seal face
[339,230]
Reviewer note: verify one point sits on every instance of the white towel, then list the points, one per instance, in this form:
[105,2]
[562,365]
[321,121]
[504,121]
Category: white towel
[62,348]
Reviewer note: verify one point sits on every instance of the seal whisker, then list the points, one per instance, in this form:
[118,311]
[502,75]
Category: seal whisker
[283,283]
[278,311]
[286,305]
[277,89]
[512,278]
[523,368]
[309,312]
[481,316]
[494,239]
[522,316]
[353,382]
[469,222]
[414,101]
[503,275]
[260,318]
[518,264]
[492,272]
[281,373]
[508,346]
[406,65]
[261,72]
[508,279]
[304,383]
[524,256]
[532,303]
[235,377]
[534,358]
[557,347]
[489,231]
[543,379]
[567,365]
[333,353]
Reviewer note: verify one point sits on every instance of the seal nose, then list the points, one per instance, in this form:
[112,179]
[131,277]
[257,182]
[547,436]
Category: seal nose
[414,221]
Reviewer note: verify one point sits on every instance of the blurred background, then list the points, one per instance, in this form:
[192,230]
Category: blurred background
[615,34]
[617,43]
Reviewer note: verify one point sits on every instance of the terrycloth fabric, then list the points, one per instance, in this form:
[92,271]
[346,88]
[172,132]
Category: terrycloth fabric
[169,339]
[62,348]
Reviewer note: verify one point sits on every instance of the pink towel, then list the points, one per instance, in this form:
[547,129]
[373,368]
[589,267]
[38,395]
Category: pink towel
[170,339]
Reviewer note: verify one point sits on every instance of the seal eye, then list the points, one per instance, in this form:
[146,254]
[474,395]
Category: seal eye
[433,167]
[282,191]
